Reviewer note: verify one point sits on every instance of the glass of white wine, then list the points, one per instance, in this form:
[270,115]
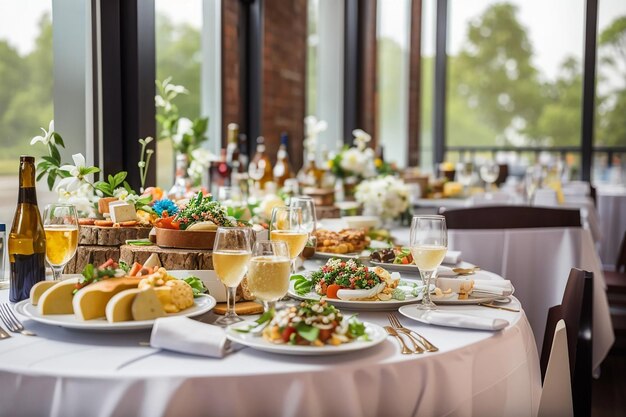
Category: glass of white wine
[268,274]
[489,172]
[429,244]
[231,257]
[60,223]
[286,225]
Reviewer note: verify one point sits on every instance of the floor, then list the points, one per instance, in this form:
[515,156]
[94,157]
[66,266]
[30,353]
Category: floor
[609,391]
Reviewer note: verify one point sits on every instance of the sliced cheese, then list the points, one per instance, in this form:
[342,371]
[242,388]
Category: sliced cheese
[119,307]
[90,302]
[146,305]
[58,298]
[152,261]
[121,211]
[38,289]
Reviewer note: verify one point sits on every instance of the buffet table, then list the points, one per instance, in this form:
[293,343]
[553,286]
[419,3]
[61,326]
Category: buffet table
[474,373]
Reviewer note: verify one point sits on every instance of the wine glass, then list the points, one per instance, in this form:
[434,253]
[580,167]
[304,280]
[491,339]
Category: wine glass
[533,181]
[268,274]
[465,174]
[307,205]
[60,223]
[428,244]
[286,225]
[231,257]
[489,172]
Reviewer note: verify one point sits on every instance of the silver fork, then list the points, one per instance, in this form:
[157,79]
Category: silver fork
[398,326]
[11,321]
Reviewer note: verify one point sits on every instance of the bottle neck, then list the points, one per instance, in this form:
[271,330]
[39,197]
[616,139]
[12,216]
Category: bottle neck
[27,193]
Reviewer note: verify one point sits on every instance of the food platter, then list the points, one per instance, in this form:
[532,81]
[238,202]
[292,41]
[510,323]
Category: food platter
[354,255]
[376,335]
[202,304]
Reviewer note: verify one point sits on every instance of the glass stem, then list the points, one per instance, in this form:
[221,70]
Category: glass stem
[269,305]
[57,271]
[426,277]
[293,266]
[230,306]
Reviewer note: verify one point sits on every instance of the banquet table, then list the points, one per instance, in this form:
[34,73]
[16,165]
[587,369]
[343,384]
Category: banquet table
[72,373]
[612,212]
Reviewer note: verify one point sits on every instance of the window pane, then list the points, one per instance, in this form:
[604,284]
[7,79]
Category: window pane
[393,36]
[427,84]
[178,55]
[515,73]
[610,125]
[26,80]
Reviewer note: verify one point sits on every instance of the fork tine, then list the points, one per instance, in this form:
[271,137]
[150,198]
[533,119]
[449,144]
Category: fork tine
[6,321]
[12,315]
[394,320]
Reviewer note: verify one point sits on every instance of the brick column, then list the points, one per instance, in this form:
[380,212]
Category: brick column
[231,66]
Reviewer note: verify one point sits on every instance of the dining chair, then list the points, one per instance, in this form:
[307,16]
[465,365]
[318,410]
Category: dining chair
[510,217]
[576,311]
[556,393]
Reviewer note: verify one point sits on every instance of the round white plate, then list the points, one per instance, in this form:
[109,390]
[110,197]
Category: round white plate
[443,270]
[355,305]
[202,304]
[375,333]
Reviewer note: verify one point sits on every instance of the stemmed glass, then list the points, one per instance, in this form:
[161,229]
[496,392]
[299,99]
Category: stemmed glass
[286,225]
[307,205]
[428,244]
[231,256]
[489,172]
[268,275]
[60,223]
[533,181]
[465,174]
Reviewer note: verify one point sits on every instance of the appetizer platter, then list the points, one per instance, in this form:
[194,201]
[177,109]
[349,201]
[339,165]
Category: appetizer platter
[310,328]
[115,296]
[346,242]
[352,285]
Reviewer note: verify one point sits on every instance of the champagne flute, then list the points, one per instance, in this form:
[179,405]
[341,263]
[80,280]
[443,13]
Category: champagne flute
[286,225]
[231,256]
[60,224]
[268,275]
[428,244]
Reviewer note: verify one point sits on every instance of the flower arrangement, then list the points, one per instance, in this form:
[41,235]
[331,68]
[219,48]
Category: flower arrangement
[386,197]
[356,161]
[185,134]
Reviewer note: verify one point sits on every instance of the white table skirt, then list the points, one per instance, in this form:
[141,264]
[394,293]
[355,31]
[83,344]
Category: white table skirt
[66,373]
[612,212]
[538,262]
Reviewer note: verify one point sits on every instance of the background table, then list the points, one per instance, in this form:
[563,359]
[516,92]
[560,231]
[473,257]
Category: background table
[612,213]
[69,373]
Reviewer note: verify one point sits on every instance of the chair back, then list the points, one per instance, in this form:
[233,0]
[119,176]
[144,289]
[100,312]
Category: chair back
[556,395]
[620,264]
[576,310]
[510,217]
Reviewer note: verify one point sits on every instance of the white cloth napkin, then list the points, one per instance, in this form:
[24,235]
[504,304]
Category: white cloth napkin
[465,321]
[184,335]
[483,286]
[452,257]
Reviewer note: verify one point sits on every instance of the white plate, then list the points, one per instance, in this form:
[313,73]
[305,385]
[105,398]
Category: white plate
[202,304]
[354,255]
[415,314]
[376,335]
[443,270]
[352,304]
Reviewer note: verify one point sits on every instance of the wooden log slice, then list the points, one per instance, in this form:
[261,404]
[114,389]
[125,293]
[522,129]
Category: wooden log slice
[96,255]
[190,259]
[327,212]
[110,236]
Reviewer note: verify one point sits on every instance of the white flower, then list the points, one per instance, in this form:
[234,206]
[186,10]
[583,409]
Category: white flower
[202,156]
[47,136]
[312,128]
[386,197]
[173,90]
[75,179]
[269,202]
[361,138]
[353,160]
[121,193]
[183,127]
[195,170]
[83,198]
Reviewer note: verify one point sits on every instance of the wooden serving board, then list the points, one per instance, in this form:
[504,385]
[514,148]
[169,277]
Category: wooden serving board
[171,258]
[110,236]
[91,254]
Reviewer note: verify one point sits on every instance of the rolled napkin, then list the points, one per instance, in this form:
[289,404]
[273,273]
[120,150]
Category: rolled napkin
[482,286]
[184,335]
[464,321]
[453,257]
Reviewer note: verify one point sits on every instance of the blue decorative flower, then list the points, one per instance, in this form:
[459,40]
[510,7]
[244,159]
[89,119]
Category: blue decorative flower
[165,205]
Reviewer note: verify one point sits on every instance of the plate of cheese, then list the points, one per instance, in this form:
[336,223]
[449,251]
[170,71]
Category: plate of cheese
[112,298]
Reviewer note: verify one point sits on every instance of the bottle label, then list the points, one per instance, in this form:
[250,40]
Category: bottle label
[27,195]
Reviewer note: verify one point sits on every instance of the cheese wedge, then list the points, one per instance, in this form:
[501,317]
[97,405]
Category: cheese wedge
[152,261]
[58,298]
[38,289]
[146,305]
[90,302]
[119,307]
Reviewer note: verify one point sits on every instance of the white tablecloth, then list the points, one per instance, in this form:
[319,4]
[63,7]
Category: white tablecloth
[538,262]
[67,373]
[612,212]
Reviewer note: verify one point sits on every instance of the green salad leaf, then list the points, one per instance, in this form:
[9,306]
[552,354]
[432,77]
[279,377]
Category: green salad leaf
[307,332]
[196,285]
[302,285]
[123,265]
